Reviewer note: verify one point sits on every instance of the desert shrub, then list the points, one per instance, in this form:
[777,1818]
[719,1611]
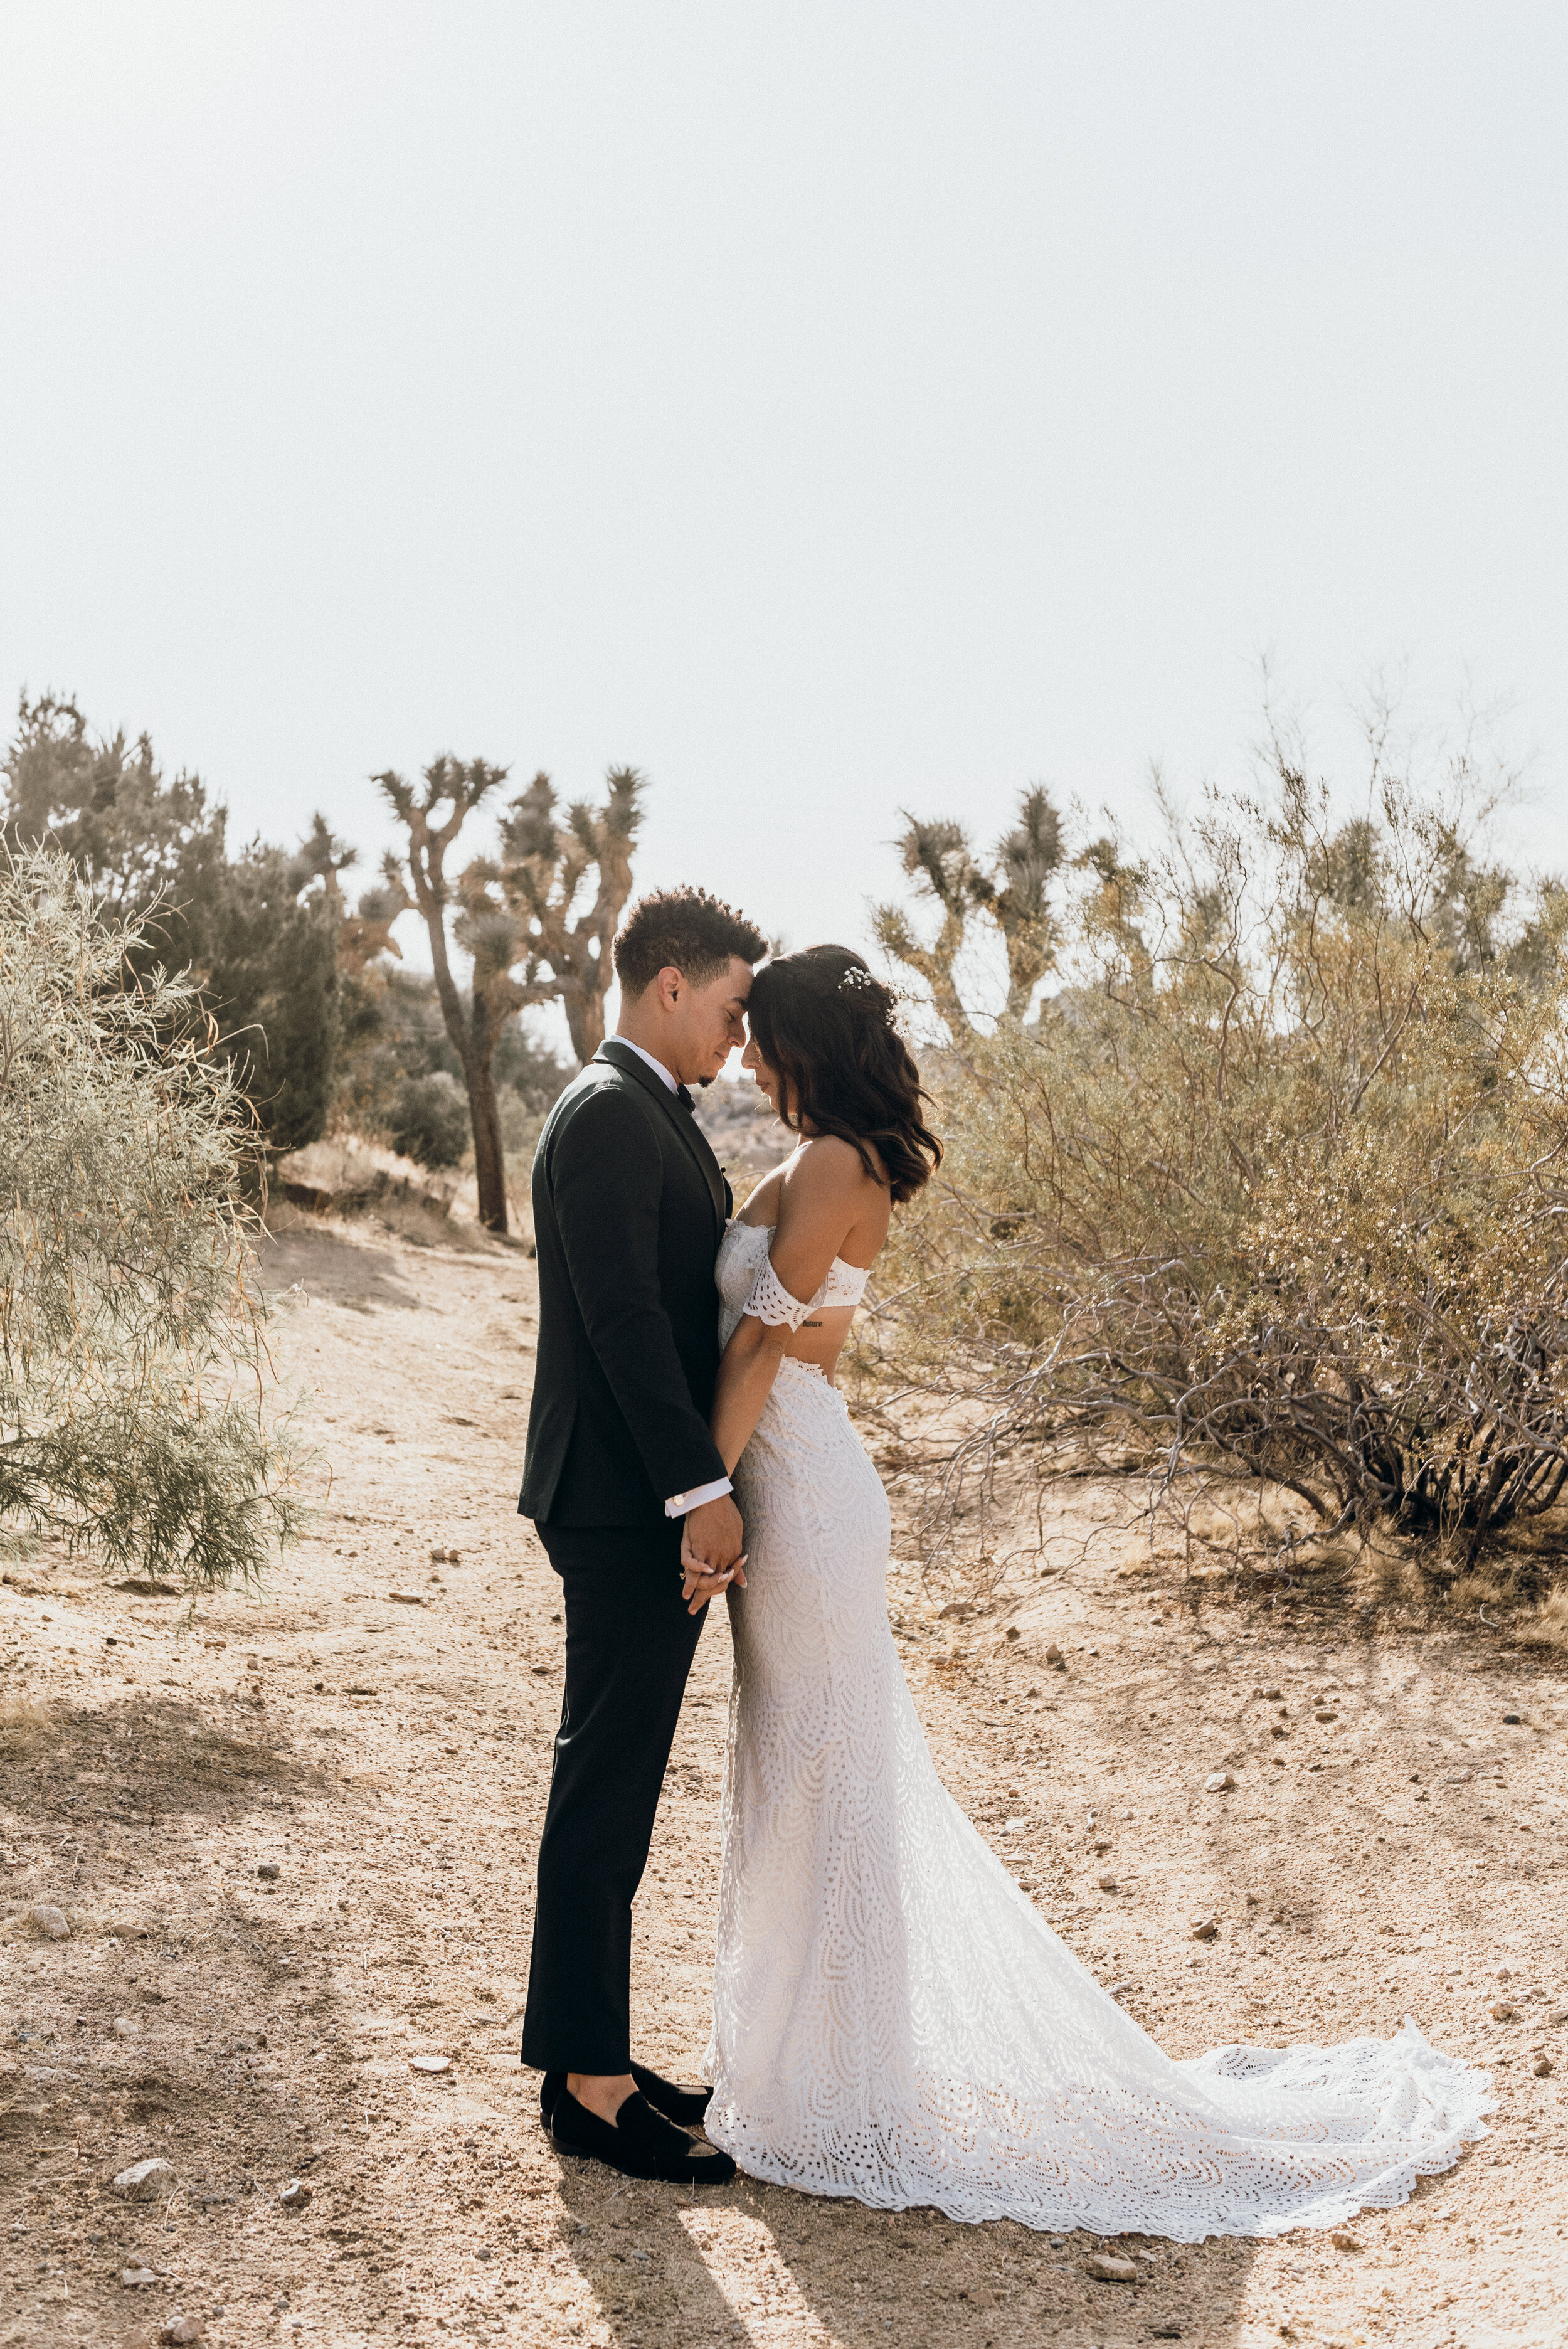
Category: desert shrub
[1276,1185]
[255,932]
[430,1119]
[132,1387]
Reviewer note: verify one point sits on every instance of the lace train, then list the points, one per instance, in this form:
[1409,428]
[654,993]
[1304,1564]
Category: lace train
[893,2020]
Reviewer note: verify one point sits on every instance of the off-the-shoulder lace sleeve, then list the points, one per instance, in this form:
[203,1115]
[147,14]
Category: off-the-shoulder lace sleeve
[770,1302]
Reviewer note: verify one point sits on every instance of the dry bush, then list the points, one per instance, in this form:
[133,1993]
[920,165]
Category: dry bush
[1274,1191]
[1547,1626]
[133,1371]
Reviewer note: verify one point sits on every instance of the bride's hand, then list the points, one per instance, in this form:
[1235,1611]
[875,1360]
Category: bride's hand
[702,1582]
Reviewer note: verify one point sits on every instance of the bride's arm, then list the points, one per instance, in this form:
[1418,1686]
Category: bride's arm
[820,1201]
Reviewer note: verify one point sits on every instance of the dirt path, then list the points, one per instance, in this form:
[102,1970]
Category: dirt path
[376,1729]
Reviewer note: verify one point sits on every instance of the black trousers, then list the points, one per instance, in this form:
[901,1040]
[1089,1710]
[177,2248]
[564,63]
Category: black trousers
[629,1646]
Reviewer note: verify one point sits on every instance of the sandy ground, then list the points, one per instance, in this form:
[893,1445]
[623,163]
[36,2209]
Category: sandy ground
[376,1729]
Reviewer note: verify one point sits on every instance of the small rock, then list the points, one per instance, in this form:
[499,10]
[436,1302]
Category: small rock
[1106,2267]
[269,1871]
[1219,1782]
[1542,2066]
[1274,1697]
[982,2297]
[430,2063]
[50,1920]
[1013,1634]
[1343,2242]
[295,2195]
[454,1557]
[144,2181]
[1166,2332]
[1326,1716]
[1120,1989]
[406,1597]
[1106,1883]
[134,2278]
[1513,1718]
[1011,1827]
[1206,1928]
[1502,2011]
[123,2027]
[1459,1777]
[1055,1658]
[183,2328]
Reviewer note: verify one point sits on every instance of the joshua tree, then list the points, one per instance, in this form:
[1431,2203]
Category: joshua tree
[1011,891]
[544,867]
[421,880]
[516,917]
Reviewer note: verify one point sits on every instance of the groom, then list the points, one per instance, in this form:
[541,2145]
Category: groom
[629,1207]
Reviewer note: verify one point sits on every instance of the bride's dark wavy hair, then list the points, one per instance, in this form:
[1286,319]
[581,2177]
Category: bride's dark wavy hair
[825,1024]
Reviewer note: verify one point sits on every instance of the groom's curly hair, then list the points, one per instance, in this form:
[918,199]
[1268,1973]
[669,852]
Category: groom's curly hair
[686,927]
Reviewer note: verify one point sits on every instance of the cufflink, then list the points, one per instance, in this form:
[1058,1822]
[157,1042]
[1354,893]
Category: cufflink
[678,1500]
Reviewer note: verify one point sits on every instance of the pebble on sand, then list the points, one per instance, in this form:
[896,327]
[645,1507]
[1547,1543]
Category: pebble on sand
[180,2329]
[430,2063]
[1206,1928]
[144,2181]
[49,1920]
[1106,1883]
[268,1871]
[1219,1782]
[124,2027]
[1106,2267]
[133,2279]
[295,2195]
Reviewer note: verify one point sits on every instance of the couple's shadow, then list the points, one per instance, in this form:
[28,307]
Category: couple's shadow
[686,2269]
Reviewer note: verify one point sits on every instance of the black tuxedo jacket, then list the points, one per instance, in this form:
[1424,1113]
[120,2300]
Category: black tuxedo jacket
[629,1206]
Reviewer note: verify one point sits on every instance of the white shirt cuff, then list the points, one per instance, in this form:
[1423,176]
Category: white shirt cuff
[679,1503]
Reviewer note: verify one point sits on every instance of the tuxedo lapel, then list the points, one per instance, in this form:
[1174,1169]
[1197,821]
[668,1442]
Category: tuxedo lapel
[619,1056]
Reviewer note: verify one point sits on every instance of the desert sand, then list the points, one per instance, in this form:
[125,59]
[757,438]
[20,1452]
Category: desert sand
[289,1835]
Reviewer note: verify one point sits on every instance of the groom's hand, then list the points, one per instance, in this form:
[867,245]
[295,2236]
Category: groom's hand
[713,1534]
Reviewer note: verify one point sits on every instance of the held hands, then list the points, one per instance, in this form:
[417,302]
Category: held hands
[711,1559]
[703,1582]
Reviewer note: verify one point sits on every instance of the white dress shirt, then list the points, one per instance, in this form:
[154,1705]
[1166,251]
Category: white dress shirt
[679,1503]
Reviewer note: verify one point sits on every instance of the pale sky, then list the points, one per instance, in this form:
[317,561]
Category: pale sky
[826,408]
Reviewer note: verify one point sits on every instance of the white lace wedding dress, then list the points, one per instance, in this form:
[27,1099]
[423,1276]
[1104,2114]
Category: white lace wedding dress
[893,2020]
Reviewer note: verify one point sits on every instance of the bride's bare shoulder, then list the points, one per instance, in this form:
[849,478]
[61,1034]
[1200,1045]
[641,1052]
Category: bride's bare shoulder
[827,1163]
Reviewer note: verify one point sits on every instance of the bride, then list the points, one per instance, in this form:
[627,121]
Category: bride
[893,2020]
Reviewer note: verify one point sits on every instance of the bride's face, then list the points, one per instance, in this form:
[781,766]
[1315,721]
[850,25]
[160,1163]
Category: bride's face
[766,1080]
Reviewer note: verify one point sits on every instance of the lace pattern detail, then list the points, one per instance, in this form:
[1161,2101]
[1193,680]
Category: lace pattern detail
[771,1303]
[893,2018]
[746,1244]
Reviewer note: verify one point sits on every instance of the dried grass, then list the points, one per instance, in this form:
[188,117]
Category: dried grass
[1547,1624]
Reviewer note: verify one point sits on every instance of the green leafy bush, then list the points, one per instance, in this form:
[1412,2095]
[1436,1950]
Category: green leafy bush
[133,1375]
[430,1119]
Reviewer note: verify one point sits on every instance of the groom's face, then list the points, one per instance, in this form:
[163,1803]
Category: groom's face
[709,1021]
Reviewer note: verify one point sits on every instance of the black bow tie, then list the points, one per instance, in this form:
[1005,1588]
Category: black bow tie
[684,1098]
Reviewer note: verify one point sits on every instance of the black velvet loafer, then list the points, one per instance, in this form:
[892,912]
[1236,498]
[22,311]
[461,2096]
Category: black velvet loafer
[684,2107]
[640,2143]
